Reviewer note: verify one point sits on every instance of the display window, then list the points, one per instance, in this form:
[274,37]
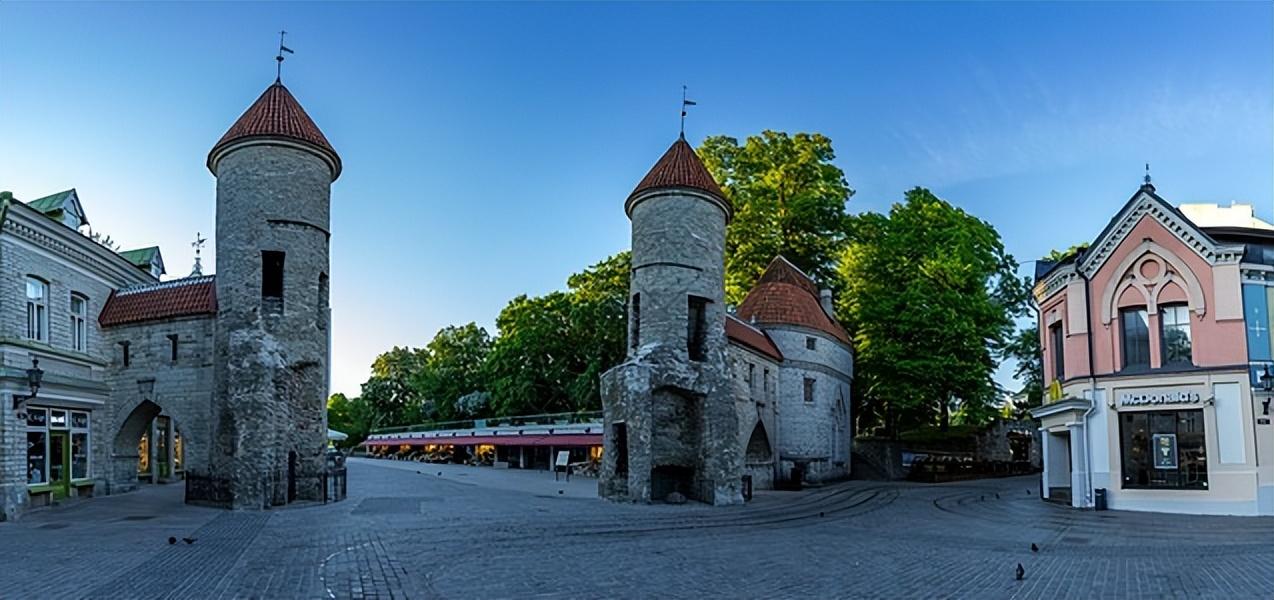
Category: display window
[1163,450]
[58,446]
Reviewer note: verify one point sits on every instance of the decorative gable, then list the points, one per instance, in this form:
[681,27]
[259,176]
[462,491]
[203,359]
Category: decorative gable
[1145,203]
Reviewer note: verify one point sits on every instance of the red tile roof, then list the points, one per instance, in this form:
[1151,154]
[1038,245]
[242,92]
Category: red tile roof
[276,114]
[786,296]
[178,298]
[750,337]
[680,167]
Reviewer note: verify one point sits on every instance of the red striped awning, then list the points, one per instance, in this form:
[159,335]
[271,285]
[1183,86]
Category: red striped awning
[563,440]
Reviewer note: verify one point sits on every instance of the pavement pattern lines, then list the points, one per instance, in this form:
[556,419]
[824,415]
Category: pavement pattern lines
[444,531]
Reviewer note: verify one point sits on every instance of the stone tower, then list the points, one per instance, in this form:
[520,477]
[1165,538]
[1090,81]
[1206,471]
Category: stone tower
[274,171]
[670,417]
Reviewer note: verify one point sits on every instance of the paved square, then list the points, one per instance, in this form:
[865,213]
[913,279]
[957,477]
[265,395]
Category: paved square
[407,532]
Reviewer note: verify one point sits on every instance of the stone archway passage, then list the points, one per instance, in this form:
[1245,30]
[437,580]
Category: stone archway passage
[124,454]
[759,458]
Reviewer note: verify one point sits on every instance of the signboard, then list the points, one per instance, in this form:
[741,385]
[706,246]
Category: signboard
[563,458]
[1153,397]
[1164,447]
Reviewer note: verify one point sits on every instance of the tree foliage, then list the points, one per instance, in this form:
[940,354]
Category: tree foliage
[552,349]
[452,368]
[351,416]
[930,294]
[1024,347]
[788,199]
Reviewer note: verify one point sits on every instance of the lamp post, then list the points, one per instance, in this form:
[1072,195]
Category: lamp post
[1267,385]
[35,375]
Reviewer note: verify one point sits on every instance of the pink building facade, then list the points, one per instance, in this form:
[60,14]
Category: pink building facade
[1158,401]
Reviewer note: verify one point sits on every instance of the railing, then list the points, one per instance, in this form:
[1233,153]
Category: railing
[594,416]
[207,490]
[937,469]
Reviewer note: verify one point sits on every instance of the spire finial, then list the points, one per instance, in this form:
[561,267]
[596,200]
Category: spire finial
[1147,179]
[278,76]
[197,245]
[684,104]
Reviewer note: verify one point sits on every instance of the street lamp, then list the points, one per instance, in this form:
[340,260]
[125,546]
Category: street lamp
[35,375]
[1267,384]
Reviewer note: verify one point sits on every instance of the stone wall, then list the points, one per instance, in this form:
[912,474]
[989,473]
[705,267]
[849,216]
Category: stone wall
[817,434]
[754,379]
[996,442]
[271,354]
[679,415]
[182,390]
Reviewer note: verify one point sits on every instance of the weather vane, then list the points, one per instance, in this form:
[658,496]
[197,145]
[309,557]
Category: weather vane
[197,245]
[278,76]
[684,104]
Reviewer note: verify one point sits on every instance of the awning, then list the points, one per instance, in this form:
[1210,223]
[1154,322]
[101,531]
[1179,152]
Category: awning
[335,435]
[564,440]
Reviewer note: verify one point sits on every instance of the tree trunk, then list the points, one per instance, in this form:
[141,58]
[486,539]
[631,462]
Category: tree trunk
[946,415]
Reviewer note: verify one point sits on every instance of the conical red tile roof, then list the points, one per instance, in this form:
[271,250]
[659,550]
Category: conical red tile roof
[786,296]
[680,167]
[277,115]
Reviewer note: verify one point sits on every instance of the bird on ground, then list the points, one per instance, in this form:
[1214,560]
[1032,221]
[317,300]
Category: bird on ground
[1034,548]
[997,495]
[440,473]
[981,498]
[559,492]
[172,540]
[1021,572]
[188,540]
[820,513]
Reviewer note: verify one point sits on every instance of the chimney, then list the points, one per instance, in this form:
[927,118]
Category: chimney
[825,298]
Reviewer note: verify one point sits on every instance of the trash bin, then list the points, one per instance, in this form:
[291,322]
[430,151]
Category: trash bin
[1099,499]
[747,488]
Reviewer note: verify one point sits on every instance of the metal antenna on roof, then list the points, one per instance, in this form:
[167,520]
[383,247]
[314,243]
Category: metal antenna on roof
[684,104]
[197,245]
[1147,180]
[278,76]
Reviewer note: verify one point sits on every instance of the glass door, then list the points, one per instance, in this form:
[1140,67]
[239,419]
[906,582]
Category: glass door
[59,464]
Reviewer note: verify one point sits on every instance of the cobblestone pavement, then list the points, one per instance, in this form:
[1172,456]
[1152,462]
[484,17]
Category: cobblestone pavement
[409,534]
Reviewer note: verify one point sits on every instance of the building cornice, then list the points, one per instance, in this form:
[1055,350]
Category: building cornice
[59,240]
[1054,282]
[1146,204]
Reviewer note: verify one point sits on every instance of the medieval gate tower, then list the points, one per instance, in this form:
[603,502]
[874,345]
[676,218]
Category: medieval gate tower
[274,171]
[670,417]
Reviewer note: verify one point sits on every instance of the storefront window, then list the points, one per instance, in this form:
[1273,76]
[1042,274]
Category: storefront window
[37,457]
[79,456]
[1163,450]
[143,455]
[47,452]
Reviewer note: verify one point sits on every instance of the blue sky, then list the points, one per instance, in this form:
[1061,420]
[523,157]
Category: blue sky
[488,148]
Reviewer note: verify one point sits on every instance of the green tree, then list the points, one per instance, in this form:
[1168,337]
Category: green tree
[788,199]
[1024,347]
[391,392]
[552,349]
[351,416]
[452,368]
[930,294]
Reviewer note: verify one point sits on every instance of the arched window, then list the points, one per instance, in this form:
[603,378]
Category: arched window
[37,310]
[79,323]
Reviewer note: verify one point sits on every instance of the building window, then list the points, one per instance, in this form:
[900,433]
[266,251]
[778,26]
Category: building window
[57,445]
[635,338]
[697,328]
[752,378]
[272,278]
[37,310]
[1136,337]
[1174,334]
[765,381]
[809,389]
[1057,341]
[810,343]
[1163,450]
[79,323]
[172,346]
[125,353]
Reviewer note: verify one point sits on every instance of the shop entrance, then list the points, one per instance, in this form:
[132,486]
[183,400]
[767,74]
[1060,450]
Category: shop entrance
[1057,466]
[60,464]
